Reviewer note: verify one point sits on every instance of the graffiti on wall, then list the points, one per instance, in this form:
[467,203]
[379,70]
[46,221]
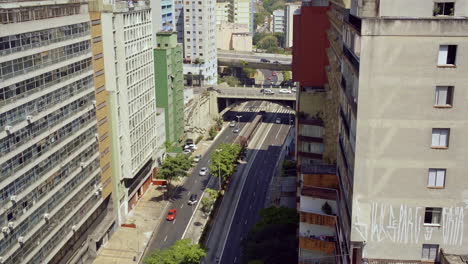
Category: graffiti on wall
[405,225]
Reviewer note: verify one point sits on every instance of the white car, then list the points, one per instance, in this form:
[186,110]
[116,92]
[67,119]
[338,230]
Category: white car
[284,91]
[197,158]
[232,124]
[203,171]
[268,91]
[192,146]
[187,151]
[293,90]
[278,120]
[236,130]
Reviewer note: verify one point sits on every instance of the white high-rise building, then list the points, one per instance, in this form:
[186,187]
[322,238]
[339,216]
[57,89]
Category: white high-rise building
[129,81]
[200,54]
[289,10]
[51,184]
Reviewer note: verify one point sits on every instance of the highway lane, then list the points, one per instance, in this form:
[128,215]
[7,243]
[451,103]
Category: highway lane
[169,232]
[281,58]
[246,195]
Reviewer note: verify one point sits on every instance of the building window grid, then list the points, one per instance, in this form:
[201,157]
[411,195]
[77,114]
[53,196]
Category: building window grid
[25,41]
[14,164]
[28,63]
[40,82]
[18,15]
[42,103]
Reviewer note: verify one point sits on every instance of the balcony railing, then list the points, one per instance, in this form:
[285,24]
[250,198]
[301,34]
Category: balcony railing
[321,180]
[317,192]
[317,244]
[355,22]
[318,219]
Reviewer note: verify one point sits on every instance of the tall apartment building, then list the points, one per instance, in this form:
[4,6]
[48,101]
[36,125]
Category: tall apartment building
[224,11]
[278,21]
[54,176]
[125,31]
[170,84]
[163,17]
[179,20]
[243,13]
[200,54]
[400,71]
[289,10]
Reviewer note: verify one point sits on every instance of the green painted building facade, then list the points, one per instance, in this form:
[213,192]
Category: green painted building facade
[169,82]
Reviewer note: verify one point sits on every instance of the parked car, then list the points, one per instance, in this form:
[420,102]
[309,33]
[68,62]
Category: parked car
[188,141]
[284,91]
[236,130]
[233,123]
[264,60]
[278,120]
[192,146]
[193,199]
[187,151]
[277,62]
[171,215]
[197,158]
[203,171]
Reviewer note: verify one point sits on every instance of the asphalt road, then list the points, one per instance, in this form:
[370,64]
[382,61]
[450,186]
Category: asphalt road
[273,79]
[248,193]
[170,231]
[282,59]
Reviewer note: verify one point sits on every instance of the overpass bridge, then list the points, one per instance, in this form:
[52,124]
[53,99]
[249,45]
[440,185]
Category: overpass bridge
[236,59]
[234,95]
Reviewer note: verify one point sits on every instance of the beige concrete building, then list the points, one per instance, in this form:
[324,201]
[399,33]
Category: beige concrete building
[234,11]
[399,69]
[224,11]
[231,36]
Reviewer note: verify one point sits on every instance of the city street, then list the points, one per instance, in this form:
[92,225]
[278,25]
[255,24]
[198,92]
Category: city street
[246,195]
[171,231]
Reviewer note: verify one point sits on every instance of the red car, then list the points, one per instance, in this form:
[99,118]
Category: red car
[171,215]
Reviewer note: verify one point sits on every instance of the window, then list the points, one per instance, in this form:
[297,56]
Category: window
[432,216]
[97,39]
[444,9]
[440,137]
[444,96]
[429,251]
[436,178]
[99,73]
[447,54]
[95,22]
[98,56]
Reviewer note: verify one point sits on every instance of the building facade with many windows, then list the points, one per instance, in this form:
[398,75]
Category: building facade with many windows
[54,182]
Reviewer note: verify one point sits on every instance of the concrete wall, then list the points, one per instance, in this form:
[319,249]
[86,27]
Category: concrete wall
[231,36]
[396,115]
[314,205]
[417,8]
[200,114]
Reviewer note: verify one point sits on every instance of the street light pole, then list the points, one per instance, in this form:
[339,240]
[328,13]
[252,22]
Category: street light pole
[238,120]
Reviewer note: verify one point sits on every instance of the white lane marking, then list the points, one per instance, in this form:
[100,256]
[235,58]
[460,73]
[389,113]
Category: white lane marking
[235,259]
[196,207]
[182,206]
[245,222]
[188,194]
[174,222]
[279,130]
[165,238]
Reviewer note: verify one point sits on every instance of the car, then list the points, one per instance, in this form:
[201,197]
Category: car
[197,158]
[284,91]
[233,123]
[262,90]
[264,60]
[293,90]
[203,171]
[193,199]
[274,74]
[276,62]
[192,146]
[236,130]
[278,120]
[268,91]
[187,151]
[188,141]
[171,215]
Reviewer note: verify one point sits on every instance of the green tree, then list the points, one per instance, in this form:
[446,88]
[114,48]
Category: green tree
[280,37]
[223,160]
[207,202]
[259,18]
[267,42]
[249,72]
[258,36]
[286,75]
[273,238]
[231,80]
[212,132]
[175,167]
[182,252]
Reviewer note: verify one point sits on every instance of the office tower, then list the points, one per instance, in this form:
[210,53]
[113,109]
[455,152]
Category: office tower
[170,84]
[399,194]
[289,10]
[54,181]
[278,23]
[200,57]
[125,31]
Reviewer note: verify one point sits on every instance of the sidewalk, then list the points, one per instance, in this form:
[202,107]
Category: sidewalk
[127,244]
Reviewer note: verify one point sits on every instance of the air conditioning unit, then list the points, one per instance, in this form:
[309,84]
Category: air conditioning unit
[21,239]
[5,230]
[100,189]
[14,198]
[8,129]
[46,217]
[97,193]
[75,228]
[82,165]
[29,118]
[11,225]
